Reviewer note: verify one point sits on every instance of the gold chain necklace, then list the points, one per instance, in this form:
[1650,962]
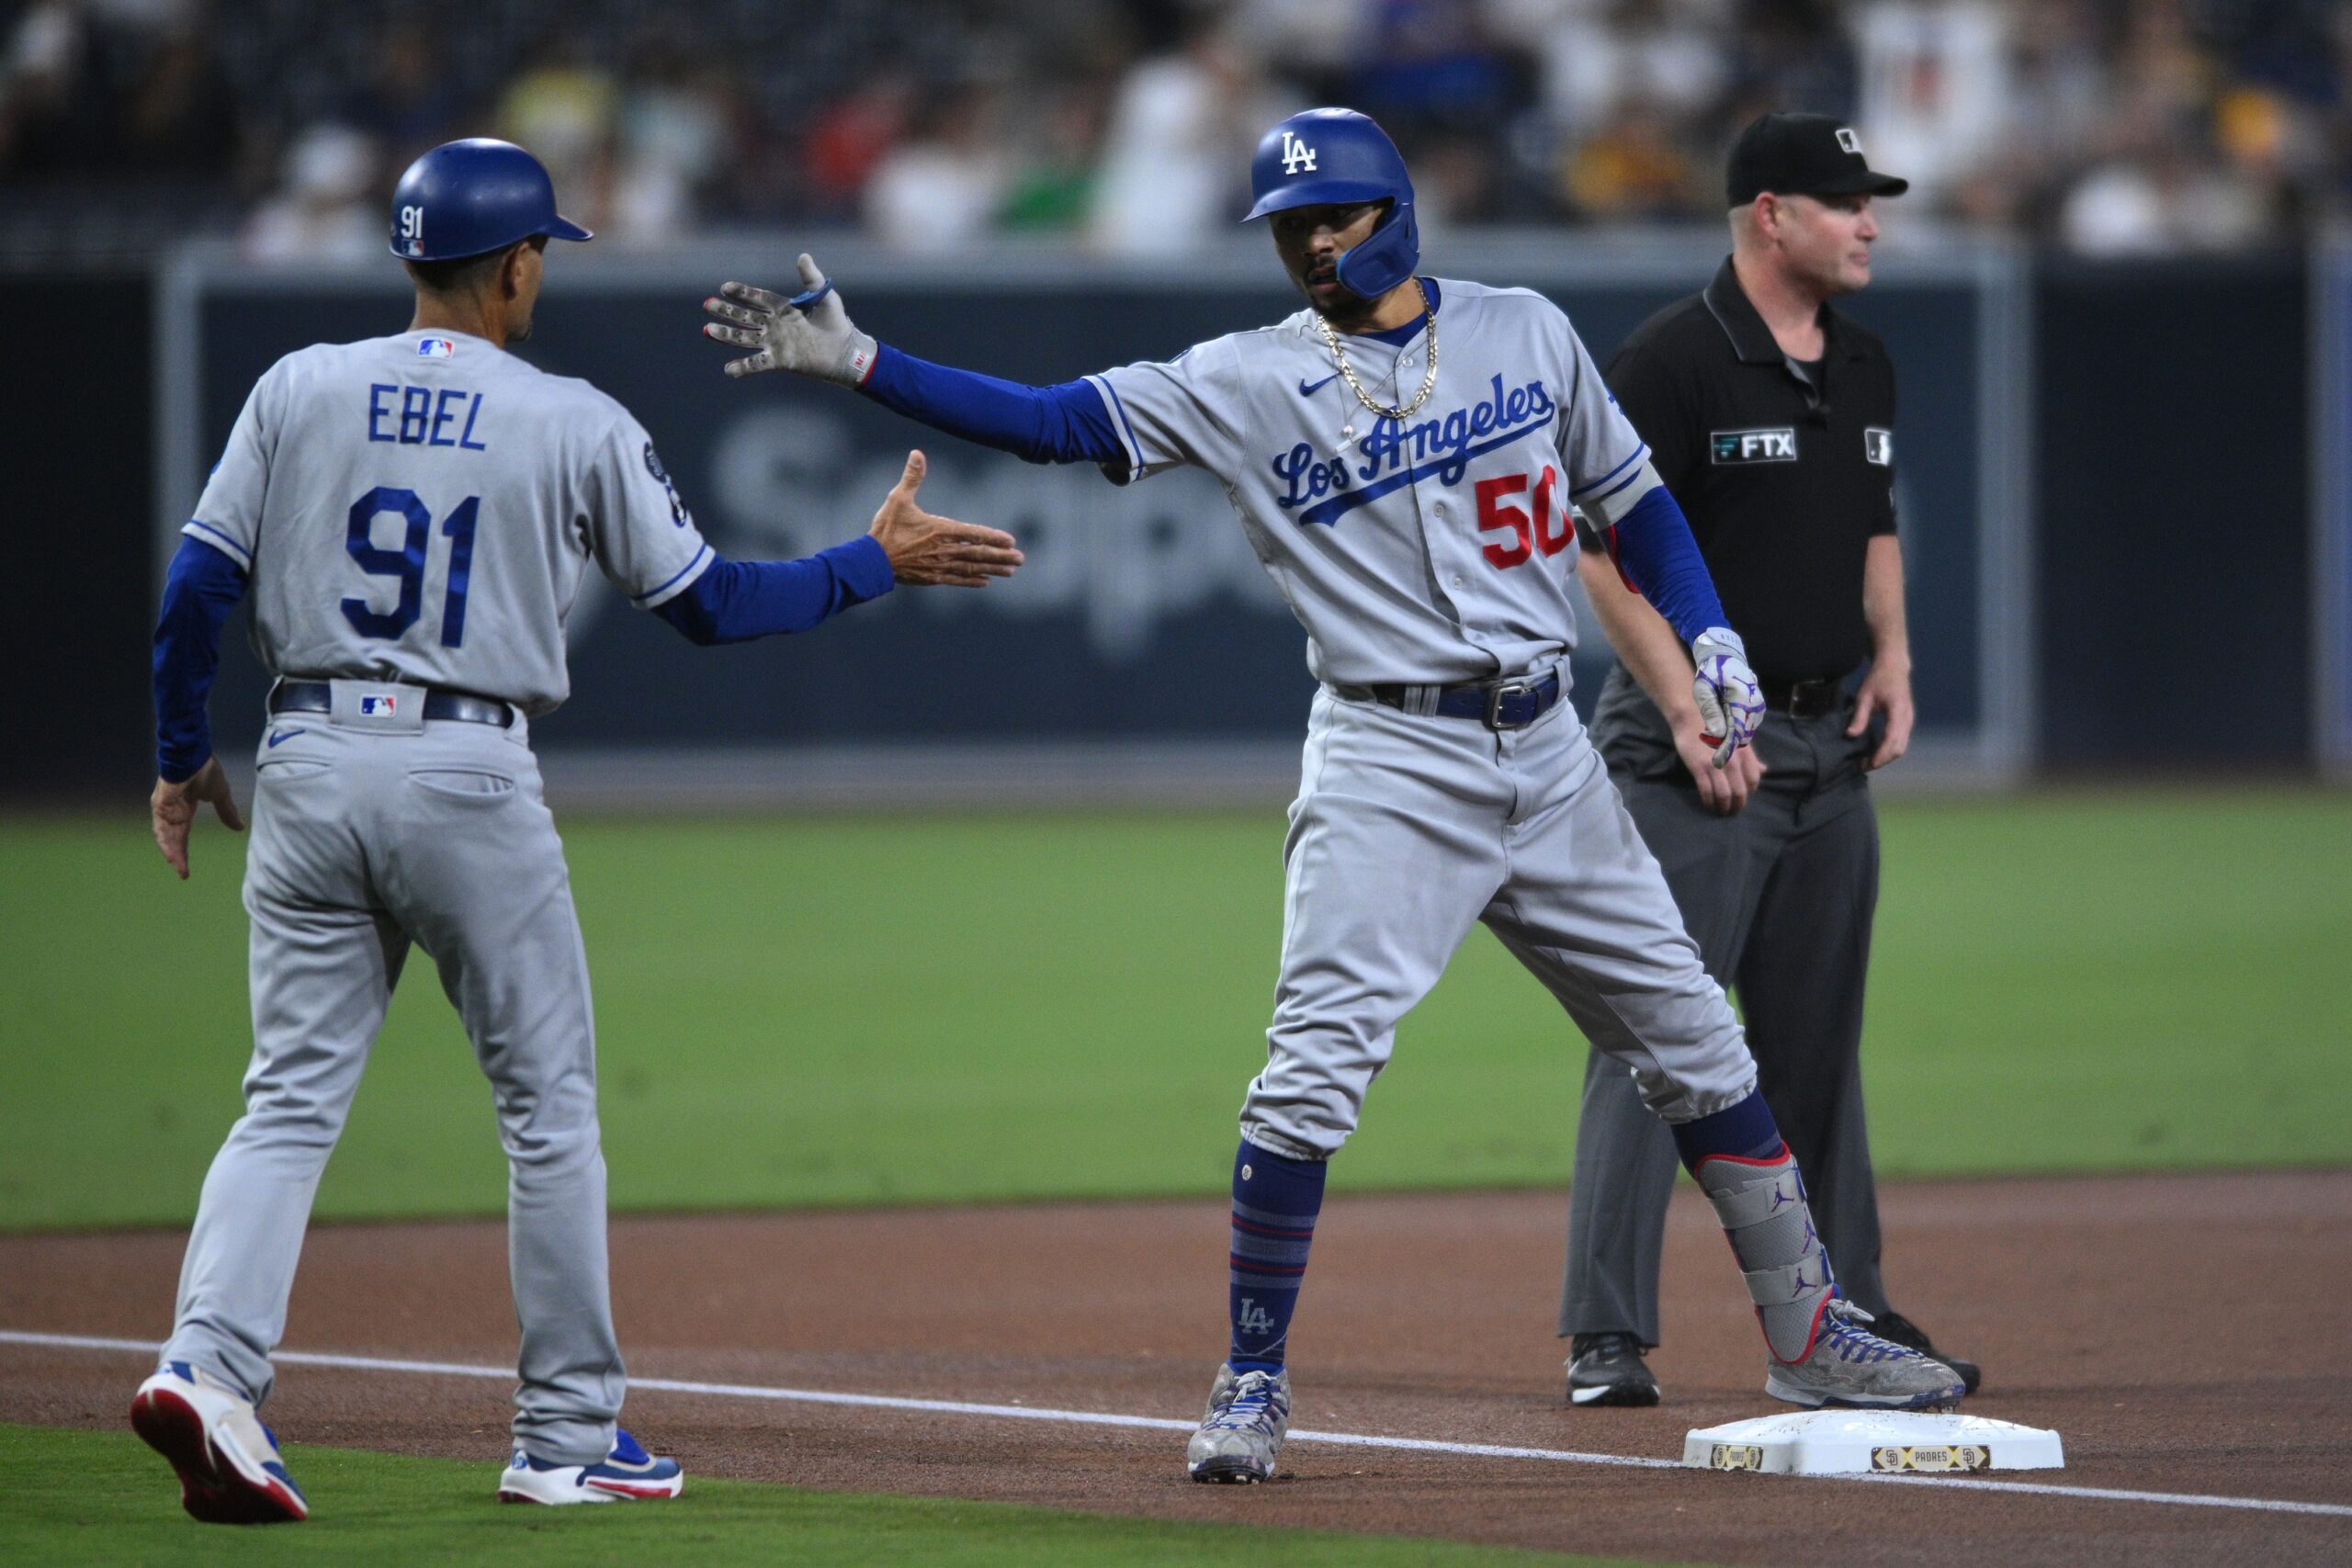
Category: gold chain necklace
[1429,381]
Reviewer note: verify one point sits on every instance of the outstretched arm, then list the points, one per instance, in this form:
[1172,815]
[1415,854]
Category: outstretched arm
[737,600]
[810,334]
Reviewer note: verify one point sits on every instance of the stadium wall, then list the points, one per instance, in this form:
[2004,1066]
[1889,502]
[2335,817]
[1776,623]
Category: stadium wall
[1143,654]
[2176,525]
[77,597]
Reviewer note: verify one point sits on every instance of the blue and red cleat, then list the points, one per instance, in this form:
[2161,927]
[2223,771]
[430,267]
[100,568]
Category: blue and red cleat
[628,1475]
[230,1472]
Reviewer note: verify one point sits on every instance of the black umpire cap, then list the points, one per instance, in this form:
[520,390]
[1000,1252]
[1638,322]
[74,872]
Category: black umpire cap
[1803,154]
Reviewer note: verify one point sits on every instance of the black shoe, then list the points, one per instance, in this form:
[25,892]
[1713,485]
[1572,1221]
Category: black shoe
[1606,1369]
[1893,1325]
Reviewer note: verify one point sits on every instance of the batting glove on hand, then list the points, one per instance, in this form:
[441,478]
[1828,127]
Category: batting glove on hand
[1731,703]
[810,332]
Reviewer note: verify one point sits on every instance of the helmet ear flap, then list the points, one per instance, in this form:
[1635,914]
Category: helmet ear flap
[1386,258]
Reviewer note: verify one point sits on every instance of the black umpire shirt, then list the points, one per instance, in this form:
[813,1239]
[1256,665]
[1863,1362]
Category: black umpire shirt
[1785,470]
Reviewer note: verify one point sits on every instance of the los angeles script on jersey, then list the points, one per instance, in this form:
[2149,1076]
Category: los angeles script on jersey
[1398,453]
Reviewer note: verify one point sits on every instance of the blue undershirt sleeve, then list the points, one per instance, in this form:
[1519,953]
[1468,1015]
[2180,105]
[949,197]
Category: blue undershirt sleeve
[1062,423]
[735,601]
[199,589]
[1659,557]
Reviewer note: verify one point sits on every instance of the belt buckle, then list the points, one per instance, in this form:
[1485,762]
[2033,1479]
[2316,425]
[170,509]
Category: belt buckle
[1497,695]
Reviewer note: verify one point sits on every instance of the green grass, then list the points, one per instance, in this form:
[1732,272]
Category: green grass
[829,1010]
[101,1498]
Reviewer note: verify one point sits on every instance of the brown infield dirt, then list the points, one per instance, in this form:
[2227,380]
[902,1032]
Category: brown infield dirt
[2185,1334]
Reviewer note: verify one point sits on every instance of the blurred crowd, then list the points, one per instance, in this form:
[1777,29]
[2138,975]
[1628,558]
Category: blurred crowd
[2108,127]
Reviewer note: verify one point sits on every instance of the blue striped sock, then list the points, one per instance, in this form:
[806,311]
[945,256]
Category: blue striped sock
[1275,1200]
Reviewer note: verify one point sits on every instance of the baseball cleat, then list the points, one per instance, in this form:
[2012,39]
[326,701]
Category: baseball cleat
[229,1468]
[1606,1369]
[1849,1367]
[1903,1332]
[1248,1416]
[628,1474]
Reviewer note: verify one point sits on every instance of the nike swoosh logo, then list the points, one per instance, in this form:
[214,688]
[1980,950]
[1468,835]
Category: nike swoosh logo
[1307,391]
[286,735]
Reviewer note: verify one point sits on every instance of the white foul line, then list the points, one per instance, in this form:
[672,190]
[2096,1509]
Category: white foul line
[1159,1423]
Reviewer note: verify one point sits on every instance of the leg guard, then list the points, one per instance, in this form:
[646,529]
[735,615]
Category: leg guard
[1761,1205]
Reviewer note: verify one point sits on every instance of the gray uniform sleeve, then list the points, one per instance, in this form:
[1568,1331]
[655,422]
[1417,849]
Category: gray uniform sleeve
[228,515]
[638,527]
[1173,412]
[1606,461]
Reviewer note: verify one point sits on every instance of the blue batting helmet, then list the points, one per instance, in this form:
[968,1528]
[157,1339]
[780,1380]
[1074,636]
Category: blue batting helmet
[1327,157]
[467,199]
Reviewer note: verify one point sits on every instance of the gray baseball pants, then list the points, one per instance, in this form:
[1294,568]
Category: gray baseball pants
[370,835]
[1407,830]
[1780,899]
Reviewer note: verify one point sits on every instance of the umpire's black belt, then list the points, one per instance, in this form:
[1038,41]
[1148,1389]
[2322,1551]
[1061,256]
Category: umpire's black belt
[1803,699]
[316,696]
[1513,703]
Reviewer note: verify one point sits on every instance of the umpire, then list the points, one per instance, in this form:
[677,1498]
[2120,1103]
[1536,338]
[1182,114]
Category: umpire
[1771,416]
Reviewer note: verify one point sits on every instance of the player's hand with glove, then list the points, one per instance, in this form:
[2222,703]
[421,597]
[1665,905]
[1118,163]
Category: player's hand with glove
[174,807]
[938,552]
[1731,702]
[1722,789]
[809,334]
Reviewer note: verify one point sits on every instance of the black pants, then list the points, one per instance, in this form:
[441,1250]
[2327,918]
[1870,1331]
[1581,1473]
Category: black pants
[1778,899]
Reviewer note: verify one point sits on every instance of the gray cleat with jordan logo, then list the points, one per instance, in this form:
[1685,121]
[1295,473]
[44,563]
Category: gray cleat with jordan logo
[1248,1416]
[1848,1366]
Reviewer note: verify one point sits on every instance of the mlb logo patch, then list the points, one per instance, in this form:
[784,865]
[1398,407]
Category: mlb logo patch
[379,707]
[436,348]
[1878,445]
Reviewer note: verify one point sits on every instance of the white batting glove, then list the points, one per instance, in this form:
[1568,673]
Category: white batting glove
[1731,703]
[809,334]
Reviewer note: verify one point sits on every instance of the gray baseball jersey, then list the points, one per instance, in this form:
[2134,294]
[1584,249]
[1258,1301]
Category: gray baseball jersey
[1431,550]
[1428,550]
[416,512]
[420,507]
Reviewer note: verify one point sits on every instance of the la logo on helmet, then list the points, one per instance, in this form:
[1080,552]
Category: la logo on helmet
[1297,154]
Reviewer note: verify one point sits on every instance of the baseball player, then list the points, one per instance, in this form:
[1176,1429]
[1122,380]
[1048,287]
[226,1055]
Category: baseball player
[1402,454]
[412,517]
